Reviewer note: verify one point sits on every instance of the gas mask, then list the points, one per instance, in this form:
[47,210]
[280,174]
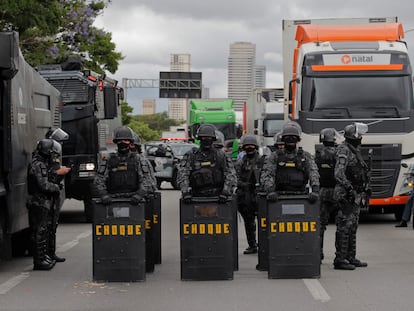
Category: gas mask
[290,142]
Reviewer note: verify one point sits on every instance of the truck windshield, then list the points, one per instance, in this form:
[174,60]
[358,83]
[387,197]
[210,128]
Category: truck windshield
[228,130]
[271,127]
[358,94]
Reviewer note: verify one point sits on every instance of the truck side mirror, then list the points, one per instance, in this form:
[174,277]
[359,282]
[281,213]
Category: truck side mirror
[110,102]
[9,54]
[297,80]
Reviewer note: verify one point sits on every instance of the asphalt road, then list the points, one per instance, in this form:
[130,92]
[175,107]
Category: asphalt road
[386,284]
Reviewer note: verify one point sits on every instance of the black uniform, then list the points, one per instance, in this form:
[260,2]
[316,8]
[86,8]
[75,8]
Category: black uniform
[248,172]
[40,203]
[351,174]
[325,159]
[207,173]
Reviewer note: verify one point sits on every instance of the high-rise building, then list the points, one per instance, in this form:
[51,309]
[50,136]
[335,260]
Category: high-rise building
[177,108]
[260,76]
[241,72]
[148,106]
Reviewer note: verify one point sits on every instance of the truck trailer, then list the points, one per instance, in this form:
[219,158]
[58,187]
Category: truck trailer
[339,71]
[29,107]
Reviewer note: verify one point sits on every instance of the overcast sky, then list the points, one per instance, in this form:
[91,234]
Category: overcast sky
[146,32]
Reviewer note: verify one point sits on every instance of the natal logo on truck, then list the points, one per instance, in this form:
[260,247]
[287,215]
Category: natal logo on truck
[356,59]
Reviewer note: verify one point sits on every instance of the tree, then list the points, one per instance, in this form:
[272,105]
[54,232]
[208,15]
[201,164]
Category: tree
[61,28]
[159,121]
[143,131]
[126,111]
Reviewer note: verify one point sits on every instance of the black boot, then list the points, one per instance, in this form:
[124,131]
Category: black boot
[40,259]
[401,224]
[343,265]
[358,263]
[252,249]
[51,247]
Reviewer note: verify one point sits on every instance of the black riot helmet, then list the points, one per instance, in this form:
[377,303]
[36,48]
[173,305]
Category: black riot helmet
[57,134]
[327,135]
[249,139]
[219,142]
[206,130]
[278,139]
[353,133]
[291,133]
[46,147]
[137,143]
[123,133]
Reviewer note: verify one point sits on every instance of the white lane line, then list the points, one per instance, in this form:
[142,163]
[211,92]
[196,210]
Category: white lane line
[317,290]
[68,245]
[14,281]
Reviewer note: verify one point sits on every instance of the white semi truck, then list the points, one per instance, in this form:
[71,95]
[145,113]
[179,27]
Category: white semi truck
[339,71]
[265,114]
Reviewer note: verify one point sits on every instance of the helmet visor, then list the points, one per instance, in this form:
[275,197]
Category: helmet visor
[360,129]
[59,135]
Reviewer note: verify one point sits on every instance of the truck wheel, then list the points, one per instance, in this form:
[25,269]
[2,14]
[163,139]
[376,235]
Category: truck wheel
[88,208]
[21,243]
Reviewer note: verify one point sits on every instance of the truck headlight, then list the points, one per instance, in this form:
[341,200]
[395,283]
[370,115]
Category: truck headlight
[408,183]
[87,167]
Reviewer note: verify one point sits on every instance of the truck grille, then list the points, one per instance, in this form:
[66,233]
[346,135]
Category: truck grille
[383,182]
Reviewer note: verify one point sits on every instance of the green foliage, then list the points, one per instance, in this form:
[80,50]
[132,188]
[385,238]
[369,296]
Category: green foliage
[159,121]
[51,30]
[144,131]
[126,111]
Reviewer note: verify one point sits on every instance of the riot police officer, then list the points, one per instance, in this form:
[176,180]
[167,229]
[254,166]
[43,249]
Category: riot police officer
[219,142]
[136,147]
[279,144]
[56,174]
[206,171]
[351,174]
[41,192]
[290,169]
[122,174]
[325,158]
[248,174]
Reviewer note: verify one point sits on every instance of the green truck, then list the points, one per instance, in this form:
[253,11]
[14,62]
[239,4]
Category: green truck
[219,112]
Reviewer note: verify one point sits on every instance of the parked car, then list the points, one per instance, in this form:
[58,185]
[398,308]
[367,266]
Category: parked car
[164,157]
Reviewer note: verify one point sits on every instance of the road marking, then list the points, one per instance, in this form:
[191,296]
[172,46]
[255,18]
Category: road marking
[317,290]
[68,245]
[14,281]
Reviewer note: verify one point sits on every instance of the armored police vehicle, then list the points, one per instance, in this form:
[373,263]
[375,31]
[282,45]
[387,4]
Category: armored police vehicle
[29,106]
[91,110]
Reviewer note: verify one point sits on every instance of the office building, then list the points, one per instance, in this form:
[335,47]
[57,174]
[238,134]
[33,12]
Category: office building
[148,106]
[177,108]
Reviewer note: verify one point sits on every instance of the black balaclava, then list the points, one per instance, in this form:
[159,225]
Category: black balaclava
[123,148]
[354,141]
[250,151]
[206,143]
[290,142]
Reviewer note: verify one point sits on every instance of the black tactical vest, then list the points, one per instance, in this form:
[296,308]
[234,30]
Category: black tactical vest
[290,173]
[356,172]
[123,176]
[325,159]
[207,173]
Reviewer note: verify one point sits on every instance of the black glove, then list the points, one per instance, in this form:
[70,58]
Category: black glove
[313,197]
[368,192]
[106,199]
[136,199]
[272,196]
[60,186]
[223,198]
[187,197]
